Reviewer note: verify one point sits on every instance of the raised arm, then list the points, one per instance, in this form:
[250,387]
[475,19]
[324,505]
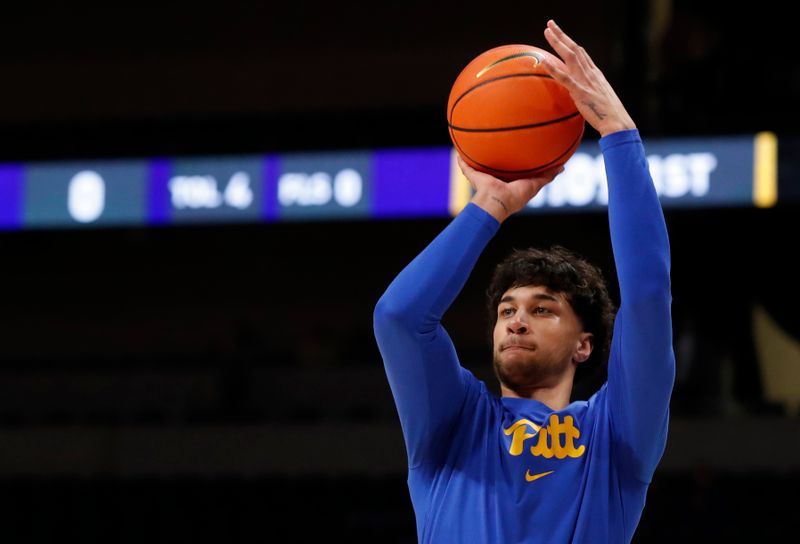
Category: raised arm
[641,364]
[419,357]
[426,379]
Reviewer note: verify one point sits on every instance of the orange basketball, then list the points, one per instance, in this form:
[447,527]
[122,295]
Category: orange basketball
[509,118]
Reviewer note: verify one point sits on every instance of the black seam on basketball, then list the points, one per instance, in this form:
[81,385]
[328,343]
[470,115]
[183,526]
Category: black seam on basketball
[458,147]
[481,84]
[520,127]
[528,170]
[462,152]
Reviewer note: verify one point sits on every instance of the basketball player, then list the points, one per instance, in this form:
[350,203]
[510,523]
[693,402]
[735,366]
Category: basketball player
[530,466]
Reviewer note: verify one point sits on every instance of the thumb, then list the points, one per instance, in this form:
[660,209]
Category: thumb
[522,191]
[534,184]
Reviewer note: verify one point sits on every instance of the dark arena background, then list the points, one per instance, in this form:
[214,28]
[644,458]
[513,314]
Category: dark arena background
[188,371]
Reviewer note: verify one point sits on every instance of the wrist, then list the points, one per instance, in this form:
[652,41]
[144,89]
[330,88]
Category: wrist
[491,204]
[616,126]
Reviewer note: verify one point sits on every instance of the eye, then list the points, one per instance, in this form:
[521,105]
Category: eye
[506,312]
[541,310]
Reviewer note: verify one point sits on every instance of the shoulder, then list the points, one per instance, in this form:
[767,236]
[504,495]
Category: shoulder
[481,406]
[596,406]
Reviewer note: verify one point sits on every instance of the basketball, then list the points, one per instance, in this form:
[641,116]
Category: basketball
[508,117]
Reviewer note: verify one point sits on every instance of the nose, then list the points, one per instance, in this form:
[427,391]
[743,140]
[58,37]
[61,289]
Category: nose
[517,326]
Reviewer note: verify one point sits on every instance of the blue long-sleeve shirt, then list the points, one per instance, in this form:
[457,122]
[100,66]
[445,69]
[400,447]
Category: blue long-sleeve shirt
[507,470]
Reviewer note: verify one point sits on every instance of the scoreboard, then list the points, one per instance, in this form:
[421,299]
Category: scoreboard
[357,184]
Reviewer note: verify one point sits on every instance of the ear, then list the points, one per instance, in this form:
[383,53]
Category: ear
[584,349]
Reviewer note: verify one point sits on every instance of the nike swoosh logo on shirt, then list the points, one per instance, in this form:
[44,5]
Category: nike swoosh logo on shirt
[532,477]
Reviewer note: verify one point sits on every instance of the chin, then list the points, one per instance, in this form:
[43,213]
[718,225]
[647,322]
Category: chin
[516,372]
[522,373]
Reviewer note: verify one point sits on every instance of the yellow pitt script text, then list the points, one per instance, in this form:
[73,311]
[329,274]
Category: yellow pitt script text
[550,438]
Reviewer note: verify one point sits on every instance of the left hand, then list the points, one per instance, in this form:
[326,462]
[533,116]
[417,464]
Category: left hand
[502,199]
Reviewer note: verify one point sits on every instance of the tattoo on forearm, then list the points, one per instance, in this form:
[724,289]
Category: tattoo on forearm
[597,112]
[501,203]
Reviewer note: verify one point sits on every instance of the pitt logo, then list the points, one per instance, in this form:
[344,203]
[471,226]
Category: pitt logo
[550,438]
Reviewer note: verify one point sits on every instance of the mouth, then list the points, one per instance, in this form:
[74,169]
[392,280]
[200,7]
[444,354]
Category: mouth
[516,347]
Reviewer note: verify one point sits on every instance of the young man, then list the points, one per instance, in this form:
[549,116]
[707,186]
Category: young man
[530,466]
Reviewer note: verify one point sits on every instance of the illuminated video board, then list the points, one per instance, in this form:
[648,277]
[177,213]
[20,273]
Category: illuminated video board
[357,184]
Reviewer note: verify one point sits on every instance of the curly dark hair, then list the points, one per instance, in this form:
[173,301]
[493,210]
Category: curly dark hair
[564,271]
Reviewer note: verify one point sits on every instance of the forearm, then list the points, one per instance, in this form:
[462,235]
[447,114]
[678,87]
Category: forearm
[636,220]
[642,363]
[422,292]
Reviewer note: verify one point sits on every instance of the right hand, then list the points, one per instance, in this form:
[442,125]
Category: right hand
[502,199]
[588,87]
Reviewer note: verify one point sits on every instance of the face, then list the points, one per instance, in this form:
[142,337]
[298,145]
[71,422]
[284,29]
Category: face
[537,338]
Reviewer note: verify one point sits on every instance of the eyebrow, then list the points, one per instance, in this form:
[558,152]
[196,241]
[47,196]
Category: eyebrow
[537,296]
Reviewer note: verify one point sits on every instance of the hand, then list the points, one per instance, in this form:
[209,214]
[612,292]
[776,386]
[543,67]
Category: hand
[588,87]
[500,198]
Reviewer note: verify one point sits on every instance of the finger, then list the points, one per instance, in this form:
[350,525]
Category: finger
[524,188]
[592,66]
[558,45]
[462,165]
[586,61]
[547,176]
[534,187]
[557,70]
[569,49]
[465,170]
[550,175]
[468,172]
[562,36]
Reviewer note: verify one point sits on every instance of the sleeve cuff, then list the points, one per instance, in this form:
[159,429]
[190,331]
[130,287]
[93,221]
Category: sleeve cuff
[486,220]
[619,138]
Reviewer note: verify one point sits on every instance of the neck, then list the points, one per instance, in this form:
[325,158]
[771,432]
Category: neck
[554,395]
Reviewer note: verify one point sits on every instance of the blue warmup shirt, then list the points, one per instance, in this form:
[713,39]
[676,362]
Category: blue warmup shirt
[484,469]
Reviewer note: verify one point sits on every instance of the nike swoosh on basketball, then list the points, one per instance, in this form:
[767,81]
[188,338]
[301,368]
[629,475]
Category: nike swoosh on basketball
[532,477]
